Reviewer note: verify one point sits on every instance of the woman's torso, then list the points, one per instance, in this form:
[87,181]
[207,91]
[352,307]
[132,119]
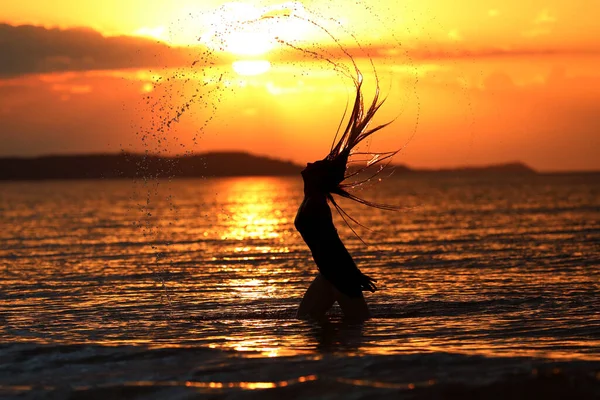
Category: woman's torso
[314,221]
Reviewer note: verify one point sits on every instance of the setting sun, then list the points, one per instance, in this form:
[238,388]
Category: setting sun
[251,67]
[460,109]
[248,43]
[198,198]
[246,30]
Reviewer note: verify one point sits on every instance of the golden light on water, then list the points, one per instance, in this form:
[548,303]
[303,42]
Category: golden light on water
[238,269]
[206,290]
[251,210]
[255,222]
[256,385]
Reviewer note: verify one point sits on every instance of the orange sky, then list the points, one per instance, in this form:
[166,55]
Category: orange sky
[468,82]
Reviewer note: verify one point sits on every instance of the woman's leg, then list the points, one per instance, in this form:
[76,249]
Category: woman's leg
[354,308]
[317,300]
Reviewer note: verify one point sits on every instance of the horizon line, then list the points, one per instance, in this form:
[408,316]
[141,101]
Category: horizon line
[431,169]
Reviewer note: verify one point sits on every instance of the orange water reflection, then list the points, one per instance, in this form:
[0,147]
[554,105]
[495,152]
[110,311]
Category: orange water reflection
[252,211]
[255,215]
[191,384]
[235,270]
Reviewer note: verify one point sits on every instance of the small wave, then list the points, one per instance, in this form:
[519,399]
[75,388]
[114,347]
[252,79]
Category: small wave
[390,311]
[95,371]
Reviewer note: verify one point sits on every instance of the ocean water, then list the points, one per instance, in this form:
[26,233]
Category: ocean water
[489,288]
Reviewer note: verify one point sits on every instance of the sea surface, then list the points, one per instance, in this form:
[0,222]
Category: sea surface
[489,288]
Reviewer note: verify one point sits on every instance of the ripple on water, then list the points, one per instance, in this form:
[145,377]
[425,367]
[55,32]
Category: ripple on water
[508,267]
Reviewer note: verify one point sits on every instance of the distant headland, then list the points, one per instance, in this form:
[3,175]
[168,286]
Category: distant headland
[214,164]
[131,165]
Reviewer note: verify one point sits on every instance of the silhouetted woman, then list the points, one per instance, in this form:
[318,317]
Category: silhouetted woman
[339,278]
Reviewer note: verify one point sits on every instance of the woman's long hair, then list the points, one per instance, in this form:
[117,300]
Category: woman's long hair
[356,131]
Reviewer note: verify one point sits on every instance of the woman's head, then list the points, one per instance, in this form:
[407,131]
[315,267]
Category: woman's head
[325,175]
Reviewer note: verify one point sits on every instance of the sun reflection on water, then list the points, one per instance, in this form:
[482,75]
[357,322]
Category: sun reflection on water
[252,210]
[236,269]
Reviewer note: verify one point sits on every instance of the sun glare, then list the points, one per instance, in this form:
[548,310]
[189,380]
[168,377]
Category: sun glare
[246,30]
[158,33]
[251,67]
[248,43]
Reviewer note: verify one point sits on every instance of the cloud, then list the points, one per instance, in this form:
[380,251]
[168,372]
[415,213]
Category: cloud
[28,49]
[427,51]
[542,24]
[31,49]
[544,17]
[549,124]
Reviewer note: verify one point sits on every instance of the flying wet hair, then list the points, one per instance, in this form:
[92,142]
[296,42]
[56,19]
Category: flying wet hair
[356,131]
[334,167]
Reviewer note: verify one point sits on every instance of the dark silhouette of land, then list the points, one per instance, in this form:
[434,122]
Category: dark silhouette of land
[128,165]
[514,168]
[217,164]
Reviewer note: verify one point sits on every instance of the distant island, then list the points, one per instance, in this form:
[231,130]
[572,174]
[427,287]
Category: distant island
[131,165]
[215,164]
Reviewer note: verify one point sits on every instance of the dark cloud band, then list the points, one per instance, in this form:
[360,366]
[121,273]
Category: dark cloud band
[30,49]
